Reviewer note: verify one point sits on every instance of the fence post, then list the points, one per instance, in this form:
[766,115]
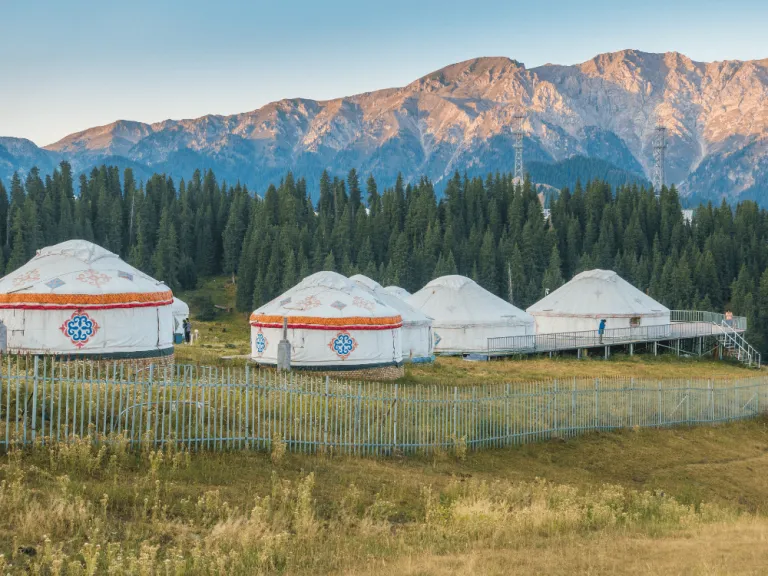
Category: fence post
[453,417]
[631,392]
[554,408]
[507,418]
[574,426]
[394,423]
[711,400]
[474,416]
[356,442]
[149,398]
[597,402]
[247,410]
[34,403]
[659,405]
[325,425]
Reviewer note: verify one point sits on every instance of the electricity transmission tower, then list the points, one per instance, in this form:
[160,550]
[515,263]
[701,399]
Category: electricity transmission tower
[517,130]
[659,145]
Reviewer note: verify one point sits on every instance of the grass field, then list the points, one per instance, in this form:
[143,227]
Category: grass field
[680,501]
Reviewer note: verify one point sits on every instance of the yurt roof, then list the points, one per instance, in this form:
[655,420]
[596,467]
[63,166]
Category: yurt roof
[411,316]
[179,307]
[77,273]
[401,293]
[459,301]
[598,293]
[327,300]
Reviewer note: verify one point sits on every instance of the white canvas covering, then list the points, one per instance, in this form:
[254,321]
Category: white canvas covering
[465,315]
[76,298]
[333,324]
[417,327]
[401,293]
[180,312]
[594,295]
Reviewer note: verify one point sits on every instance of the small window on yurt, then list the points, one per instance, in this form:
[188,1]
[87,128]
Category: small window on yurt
[634,321]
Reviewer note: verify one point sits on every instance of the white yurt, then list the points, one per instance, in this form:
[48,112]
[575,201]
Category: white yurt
[78,299]
[401,293]
[464,315]
[592,296]
[417,327]
[180,312]
[333,325]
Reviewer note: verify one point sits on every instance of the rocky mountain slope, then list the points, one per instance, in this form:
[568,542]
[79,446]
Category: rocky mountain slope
[460,118]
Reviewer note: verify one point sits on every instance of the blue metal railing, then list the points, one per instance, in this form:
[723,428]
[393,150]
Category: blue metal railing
[684,324]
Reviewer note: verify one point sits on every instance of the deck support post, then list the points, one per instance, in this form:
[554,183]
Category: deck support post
[655,348]
[578,353]
[631,349]
[607,352]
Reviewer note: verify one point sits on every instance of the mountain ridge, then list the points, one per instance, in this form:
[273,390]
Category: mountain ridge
[459,118]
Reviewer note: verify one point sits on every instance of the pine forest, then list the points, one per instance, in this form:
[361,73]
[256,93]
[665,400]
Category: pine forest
[492,230]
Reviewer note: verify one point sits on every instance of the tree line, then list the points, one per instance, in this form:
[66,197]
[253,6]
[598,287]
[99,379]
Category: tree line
[491,229]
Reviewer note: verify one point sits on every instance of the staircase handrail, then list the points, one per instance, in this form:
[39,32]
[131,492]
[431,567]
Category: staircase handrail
[738,340]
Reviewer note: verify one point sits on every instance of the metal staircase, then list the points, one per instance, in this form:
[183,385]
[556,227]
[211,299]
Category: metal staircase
[736,346]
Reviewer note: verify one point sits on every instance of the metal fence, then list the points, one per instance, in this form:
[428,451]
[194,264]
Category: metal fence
[592,338]
[736,322]
[45,400]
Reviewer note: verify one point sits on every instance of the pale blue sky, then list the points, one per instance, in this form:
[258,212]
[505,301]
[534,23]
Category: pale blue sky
[67,66]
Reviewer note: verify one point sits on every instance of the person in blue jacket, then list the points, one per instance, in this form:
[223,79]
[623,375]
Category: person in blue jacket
[601,330]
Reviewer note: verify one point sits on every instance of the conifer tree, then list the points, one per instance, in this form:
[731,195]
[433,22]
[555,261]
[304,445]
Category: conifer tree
[487,266]
[166,259]
[553,277]
[18,252]
[329,263]
[446,265]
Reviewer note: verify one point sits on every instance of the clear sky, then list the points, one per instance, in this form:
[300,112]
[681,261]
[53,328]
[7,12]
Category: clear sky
[70,65]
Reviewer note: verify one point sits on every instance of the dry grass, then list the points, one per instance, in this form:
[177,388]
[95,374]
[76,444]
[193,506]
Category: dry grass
[721,548]
[622,503]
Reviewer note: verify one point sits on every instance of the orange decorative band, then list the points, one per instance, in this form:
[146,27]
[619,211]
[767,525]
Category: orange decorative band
[316,323]
[102,301]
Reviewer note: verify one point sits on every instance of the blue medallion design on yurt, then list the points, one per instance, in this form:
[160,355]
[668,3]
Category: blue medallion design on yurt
[343,345]
[261,343]
[79,328]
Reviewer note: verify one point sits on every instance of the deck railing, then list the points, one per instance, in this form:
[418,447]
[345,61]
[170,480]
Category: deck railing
[593,338]
[736,322]
[46,400]
[684,324]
